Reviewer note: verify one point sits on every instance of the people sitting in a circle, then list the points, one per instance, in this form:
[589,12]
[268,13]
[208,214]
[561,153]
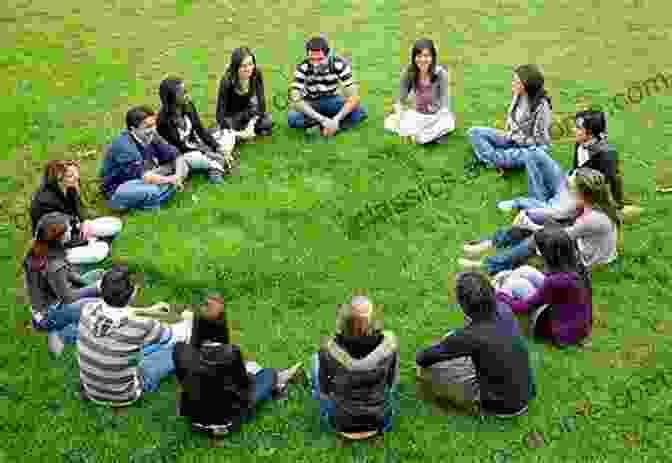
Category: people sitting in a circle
[57,292]
[355,375]
[314,101]
[595,229]
[528,124]
[431,120]
[115,364]
[60,192]
[486,362]
[219,391]
[180,125]
[241,102]
[560,298]
[548,186]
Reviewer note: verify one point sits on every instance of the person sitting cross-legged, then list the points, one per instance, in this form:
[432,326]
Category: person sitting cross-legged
[314,102]
[218,390]
[121,356]
[431,119]
[355,375]
[487,361]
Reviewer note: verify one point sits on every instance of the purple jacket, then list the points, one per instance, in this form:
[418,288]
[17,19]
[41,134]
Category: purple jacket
[571,316]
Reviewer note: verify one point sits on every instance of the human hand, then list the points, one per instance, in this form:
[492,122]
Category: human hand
[331,125]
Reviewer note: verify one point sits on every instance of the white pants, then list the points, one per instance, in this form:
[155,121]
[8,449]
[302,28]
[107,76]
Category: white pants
[95,251]
[195,160]
[424,127]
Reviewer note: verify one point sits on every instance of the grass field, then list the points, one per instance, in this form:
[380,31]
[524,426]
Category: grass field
[275,241]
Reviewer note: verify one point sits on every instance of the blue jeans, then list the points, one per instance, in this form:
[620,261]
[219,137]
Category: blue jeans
[136,194]
[63,319]
[328,406]
[546,182]
[517,252]
[263,389]
[494,150]
[328,106]
[156,365]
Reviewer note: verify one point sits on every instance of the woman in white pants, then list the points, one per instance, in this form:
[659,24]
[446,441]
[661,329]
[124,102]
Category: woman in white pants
[60,192]
[431,119]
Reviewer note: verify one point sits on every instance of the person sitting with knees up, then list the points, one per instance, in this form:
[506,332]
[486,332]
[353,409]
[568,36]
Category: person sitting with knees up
[431,120]
[314,102]
[57,293]
[60,192]
[114,368]
[528,125]
[595,230]
[180,125]
[563,293]
[486,362]
[355,375]
[241,101]
[548,187]
[219,391]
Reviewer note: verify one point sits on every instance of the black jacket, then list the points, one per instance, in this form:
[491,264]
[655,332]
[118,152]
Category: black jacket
[217,390]
[49,198]
[167,125]
[501,361]
[231,105]
[604,158]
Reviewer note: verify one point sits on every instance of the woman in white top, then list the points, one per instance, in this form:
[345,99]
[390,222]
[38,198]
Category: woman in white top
[431,119]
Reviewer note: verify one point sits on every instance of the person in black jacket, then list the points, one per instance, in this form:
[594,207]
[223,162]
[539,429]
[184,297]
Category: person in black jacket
[60,192]
[219,390]
[355,375]
[504,380]
[241,99]
[180,125]
[548,185]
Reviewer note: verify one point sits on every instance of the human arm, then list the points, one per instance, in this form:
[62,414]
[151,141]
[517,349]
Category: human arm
[444,90]
[350,90]
[459,344]
[324,375]
[297,95]
[169,132]
[541,131]
[592,223]
[261,93]
[60,282]
[222,103]
[203,134]
[404,89]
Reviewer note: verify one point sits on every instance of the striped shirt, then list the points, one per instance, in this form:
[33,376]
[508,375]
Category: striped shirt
[312,82]
[110,352]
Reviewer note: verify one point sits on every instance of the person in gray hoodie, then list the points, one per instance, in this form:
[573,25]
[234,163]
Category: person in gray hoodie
[356,373]
[57,293]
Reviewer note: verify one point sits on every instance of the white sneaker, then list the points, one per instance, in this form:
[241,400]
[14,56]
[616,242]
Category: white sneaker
[471,264]
[55,344]
[476,248]
[506,205]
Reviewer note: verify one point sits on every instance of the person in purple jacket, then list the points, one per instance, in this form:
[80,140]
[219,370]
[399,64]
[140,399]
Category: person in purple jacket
[561,298]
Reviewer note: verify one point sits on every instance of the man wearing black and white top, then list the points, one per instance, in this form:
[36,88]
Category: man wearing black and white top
[313,92]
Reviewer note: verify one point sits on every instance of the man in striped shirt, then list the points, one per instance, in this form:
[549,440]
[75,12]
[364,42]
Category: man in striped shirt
[113,369]
[314,102]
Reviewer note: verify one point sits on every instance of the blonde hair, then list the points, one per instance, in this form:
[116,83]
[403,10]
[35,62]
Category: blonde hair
[593,184]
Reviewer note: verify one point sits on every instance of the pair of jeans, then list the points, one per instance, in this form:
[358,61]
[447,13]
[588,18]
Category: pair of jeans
[518,251]
[263,389]
[328,106]
[328,406]
[157,363]
[63,319]
[494,150]
[136,194]
[546,182]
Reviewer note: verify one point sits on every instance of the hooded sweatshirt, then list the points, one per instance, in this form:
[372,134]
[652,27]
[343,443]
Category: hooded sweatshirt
[184,132]
[50,280]
[110,353]
[355,372]
[50,198]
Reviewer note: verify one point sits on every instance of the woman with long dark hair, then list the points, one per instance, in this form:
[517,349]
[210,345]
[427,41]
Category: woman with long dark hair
[431,119]
[180,125]
[57,293]
[241,101]
[563,292]
[528,125]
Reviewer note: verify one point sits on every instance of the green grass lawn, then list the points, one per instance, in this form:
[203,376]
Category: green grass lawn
[275,240]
